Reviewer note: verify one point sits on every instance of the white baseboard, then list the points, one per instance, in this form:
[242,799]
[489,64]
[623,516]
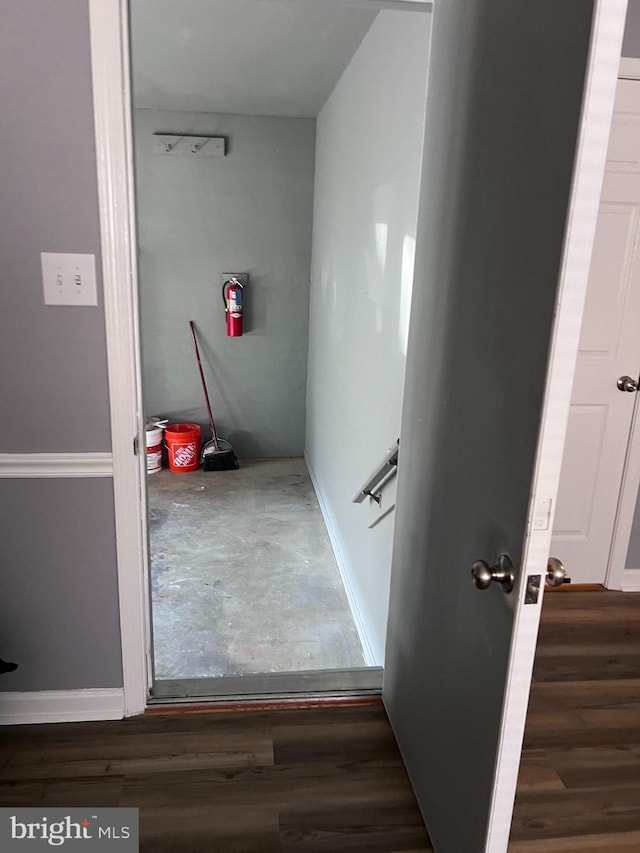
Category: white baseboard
[21,465]
[630,580]
[629,68]
[61,706]
[343,567]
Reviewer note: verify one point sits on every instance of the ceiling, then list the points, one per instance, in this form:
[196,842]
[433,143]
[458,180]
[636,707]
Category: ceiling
[252,57]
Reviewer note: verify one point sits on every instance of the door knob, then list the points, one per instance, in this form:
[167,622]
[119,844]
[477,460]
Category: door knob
[626,383]
[484,575]
[556,573]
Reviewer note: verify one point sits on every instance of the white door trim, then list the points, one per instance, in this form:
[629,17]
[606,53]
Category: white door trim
[597,110]
[111,98]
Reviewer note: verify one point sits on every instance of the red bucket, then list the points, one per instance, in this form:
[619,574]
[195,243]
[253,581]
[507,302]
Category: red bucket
[183,444]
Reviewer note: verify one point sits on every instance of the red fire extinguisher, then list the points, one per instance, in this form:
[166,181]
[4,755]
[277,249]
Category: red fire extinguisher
[232,298]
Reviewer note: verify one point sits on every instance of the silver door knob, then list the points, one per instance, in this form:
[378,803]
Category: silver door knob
[484,575]
[626,383]
[556,573]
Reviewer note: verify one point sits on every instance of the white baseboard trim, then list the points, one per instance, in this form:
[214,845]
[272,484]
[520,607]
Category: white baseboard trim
[61,706]
[21,465]
[630,580]
[343,567]
[629,68]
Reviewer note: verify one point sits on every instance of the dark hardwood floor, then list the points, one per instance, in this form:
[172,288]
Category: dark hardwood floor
[331,779]
[579,783]
[326,779]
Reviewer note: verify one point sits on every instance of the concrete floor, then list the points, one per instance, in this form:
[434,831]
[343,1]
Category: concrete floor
[243,575]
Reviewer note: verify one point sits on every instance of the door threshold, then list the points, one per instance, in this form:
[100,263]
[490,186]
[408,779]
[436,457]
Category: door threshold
[224,706]
[274,686]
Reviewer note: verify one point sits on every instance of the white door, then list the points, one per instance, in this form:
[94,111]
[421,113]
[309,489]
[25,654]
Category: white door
[600,419]
[483,421]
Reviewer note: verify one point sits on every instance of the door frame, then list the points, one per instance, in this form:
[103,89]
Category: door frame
[109,37]
[618,576]
[112,98]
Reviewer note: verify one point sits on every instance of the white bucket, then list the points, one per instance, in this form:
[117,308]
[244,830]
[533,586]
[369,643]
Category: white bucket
[154,448]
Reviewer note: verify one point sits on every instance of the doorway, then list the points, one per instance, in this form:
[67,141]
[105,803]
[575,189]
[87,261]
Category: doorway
[283,163]
[596,523]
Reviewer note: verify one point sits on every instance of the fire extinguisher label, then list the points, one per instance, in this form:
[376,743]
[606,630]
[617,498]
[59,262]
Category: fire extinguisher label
[234,300]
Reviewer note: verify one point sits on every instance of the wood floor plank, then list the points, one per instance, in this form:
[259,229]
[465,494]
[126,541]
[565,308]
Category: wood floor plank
[581,694]
[624,644]
[537,773]
[372,839]
[596,767]
[192,829]
[580,726]
[369,740]
[582,668]
[149,752]
[584,723]
[568,813]
[615,842]
[278,787]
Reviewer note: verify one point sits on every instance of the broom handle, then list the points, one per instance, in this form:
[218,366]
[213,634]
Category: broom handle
[214,434]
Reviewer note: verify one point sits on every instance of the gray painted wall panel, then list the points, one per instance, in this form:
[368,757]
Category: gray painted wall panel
[631,41]
[59,602]
[633,553]
[53,370]
[250,211]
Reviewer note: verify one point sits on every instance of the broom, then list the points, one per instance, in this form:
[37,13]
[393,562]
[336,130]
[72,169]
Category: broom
[217,454]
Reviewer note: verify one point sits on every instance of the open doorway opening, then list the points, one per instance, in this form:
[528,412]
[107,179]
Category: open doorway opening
[281,142]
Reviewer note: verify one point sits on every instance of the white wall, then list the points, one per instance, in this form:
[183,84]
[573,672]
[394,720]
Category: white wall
[368,156]
[200,217]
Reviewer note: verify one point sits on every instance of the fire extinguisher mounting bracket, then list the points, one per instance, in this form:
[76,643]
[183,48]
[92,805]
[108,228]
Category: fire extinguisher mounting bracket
[241,277]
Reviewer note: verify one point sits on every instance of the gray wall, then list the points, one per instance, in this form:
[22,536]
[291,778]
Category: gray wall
[59,603]
[52,359]
[58,607]
[633,553]
[369,152]
[199,217]
[631,41]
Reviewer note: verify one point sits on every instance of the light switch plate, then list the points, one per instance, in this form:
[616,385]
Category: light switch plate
[69,279]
